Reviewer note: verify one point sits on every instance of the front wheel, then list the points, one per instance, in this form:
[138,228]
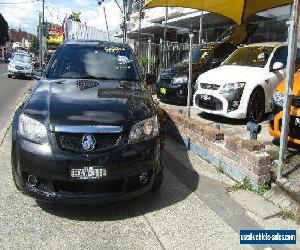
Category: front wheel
[256,106]
[9,75]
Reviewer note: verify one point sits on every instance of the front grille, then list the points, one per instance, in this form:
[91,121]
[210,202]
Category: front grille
[19,68]
[166,80]
[99,187]
[296,101]
[209,102]
[294,129]
[72,142]
[209,86]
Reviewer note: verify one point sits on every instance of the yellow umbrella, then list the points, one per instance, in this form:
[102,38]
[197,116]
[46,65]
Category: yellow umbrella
[237,10]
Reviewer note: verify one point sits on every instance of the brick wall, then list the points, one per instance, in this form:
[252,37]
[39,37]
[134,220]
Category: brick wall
[236,157]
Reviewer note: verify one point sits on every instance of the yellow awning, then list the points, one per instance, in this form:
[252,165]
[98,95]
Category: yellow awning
[237,10]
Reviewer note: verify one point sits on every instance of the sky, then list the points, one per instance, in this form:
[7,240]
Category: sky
[24,14]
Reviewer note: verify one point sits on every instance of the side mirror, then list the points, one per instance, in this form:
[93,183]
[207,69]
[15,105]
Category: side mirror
[150,79]
[216,62]
[277,66]
[38,75]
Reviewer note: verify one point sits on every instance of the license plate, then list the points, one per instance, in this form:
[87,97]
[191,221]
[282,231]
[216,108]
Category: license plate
[88,173]
[206,97]
[163,91]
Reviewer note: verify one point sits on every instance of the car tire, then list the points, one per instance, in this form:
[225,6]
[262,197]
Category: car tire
[158,180]
[9,76]
[256,106]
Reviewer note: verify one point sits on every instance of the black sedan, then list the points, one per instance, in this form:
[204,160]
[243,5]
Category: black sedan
[90,132]
[172,82]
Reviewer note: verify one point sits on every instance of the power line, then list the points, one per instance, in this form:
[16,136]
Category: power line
[21,2]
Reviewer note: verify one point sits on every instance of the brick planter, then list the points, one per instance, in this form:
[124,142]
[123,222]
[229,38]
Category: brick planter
[238,158]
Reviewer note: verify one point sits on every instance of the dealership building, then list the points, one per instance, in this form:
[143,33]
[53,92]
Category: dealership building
[271,25]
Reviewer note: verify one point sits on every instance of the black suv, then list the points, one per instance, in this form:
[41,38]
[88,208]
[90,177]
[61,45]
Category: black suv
[90,132]
[172,82]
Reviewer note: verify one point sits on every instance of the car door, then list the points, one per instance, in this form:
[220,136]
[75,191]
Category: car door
[276,76]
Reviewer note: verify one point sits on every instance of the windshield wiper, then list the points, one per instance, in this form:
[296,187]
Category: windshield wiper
[105,78]
[95,77]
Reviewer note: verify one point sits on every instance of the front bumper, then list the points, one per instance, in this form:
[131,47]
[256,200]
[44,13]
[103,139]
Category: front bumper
[20,72]
[52,167]
[212,102]
[275,124]
[172,93]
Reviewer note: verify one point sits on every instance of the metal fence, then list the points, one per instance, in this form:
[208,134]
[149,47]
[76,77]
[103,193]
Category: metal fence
[155,57]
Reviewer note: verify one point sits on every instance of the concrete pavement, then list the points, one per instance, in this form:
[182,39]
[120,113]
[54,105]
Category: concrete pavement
[172,218]
[191,211]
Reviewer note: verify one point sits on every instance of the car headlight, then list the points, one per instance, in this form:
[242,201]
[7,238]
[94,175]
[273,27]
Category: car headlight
[144,130]
[10,66]
[180,80]
[278,98]
[232,87]
[32,130]
[27,67]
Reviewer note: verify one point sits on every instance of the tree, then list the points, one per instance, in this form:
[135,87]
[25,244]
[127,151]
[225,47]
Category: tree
[75,16]
[4,37]
[34,44]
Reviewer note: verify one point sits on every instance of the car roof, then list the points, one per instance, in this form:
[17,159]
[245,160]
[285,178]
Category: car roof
[93,42]
[266,44]
[21,53]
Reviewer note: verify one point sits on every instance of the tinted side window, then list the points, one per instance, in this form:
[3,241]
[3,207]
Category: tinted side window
[281,55]
[224,51]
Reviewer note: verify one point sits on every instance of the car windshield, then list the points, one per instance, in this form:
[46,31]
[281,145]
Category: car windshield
[254,56]
[22,58]
[200,54]
[97,61]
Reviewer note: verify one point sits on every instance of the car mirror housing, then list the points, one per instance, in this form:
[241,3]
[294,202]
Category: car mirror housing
[39,75]
[277,66]
[150,79]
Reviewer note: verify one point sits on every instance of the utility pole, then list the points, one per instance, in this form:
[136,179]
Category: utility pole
[290,70]
[107,31]
[40,39]
[200,29]
[165,38]
[124,22]
[42,33]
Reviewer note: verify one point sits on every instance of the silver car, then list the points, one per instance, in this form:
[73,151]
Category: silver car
[20,65]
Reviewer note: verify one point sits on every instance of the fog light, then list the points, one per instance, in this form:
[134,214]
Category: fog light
[32,180]
[235,104]
[144,178]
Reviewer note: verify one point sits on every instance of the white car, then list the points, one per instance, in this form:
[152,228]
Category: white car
[20,65]
[243,86]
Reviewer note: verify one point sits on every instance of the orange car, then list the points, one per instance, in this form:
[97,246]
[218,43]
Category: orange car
[277,111]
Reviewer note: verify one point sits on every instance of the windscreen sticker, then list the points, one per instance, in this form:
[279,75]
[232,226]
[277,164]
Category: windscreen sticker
[123,60]
[114,49]
[123,67]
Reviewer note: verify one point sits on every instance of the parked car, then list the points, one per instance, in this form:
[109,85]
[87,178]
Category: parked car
[243,86]
[172,83]
[90,132]
[277,110]
[20,65]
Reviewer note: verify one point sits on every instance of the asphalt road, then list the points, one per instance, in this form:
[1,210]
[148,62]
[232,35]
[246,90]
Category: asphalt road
[10,92]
